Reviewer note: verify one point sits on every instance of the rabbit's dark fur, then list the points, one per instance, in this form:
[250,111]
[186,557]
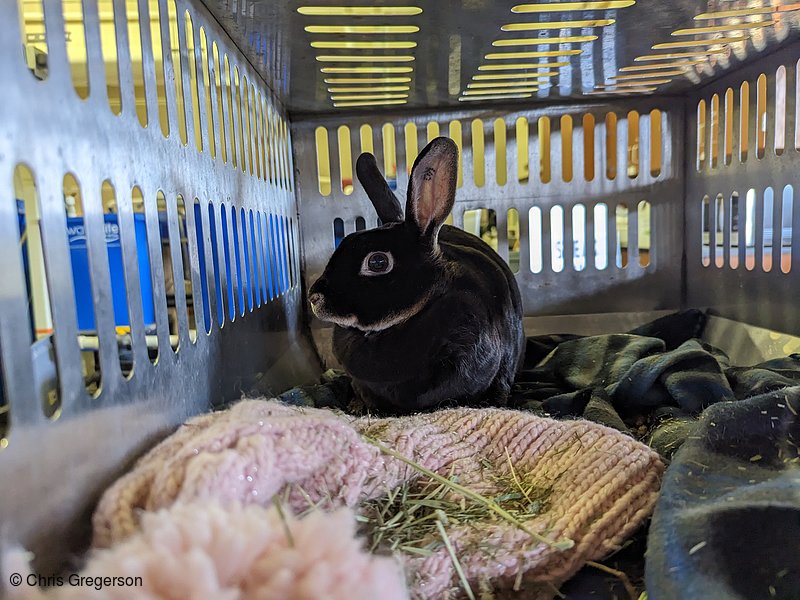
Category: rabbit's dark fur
[425,314]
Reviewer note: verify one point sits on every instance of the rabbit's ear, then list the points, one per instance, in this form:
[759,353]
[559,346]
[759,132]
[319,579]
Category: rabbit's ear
[383,199]
[432,187]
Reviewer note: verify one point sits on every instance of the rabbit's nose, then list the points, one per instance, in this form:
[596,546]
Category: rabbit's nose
[315,298]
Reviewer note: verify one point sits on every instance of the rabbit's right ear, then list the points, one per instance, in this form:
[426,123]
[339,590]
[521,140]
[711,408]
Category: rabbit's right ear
[383,199]
[432,188]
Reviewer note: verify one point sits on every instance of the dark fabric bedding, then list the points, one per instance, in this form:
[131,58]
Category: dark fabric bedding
[727,524]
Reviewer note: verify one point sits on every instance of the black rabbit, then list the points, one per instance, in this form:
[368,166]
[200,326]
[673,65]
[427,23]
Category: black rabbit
[425,314]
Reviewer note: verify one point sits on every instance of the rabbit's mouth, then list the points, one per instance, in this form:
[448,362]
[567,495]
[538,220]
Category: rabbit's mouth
[323,313]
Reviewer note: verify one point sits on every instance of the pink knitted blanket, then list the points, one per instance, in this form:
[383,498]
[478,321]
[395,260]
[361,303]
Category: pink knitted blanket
[603,485]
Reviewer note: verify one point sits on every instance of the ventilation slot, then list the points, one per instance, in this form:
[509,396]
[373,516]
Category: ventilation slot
[188,275]
[588,147]
[750,229]
[522,149]
[76,44]
[787,216]
[579,237]
[535,238]
[456,136]
[37,282]
[255,282]
[323,161]
[478,159]
[714,131]
[119,285]
[744,121]
[144,262]
[512,233]
[557,238]
[412,149]
[633,144]
[735,232]
[761,115]
[165,227]
[137,64]
[566,148]
[338,232]
[365,133]
[32,30]
[389,156]
[544,149]
[482,222]
[611,146]
[176,67]
[500,164]
[108,43]
[600,236]
[345,160]
[701,135]
[622,236]
[200,243]
[728,147]
[644,229]
[247,277]
[656,142]
[81,278]
[780,110]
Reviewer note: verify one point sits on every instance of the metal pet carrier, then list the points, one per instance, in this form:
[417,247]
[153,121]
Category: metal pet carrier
[175,173]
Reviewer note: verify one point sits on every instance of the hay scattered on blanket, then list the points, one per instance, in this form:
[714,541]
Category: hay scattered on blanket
[405,519]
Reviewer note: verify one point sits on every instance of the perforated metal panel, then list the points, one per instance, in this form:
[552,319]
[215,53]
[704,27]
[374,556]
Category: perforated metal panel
[739,263]
[233,321]
[566,265]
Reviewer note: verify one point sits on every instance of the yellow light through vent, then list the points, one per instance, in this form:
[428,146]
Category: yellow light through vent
[721,28]
[494,84]
[367,69]
[364,58]
[494,76]
[367,89]
[697,43]
[633,84]
[568,39]
[364,45]
[369,97]
[647,75]
[522,55]
[493,97]
[644,90]
[673,55]
[569,6]
[359,11]
[354,80]
[362,29]
[369,103]
[672,65]
[518,90]
[557,25]
[747,12]
[520,66]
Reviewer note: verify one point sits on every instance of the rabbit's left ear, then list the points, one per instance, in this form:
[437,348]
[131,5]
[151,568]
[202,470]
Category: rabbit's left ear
[383,199]
[432,187]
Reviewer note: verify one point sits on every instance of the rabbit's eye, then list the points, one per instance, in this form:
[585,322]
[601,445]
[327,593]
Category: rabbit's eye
[377,263]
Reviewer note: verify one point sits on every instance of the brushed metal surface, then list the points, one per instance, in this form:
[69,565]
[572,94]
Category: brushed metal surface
[455,35]
[764,299]
[59,465]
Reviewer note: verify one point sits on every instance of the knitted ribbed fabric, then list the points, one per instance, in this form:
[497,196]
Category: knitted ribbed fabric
[604,484]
